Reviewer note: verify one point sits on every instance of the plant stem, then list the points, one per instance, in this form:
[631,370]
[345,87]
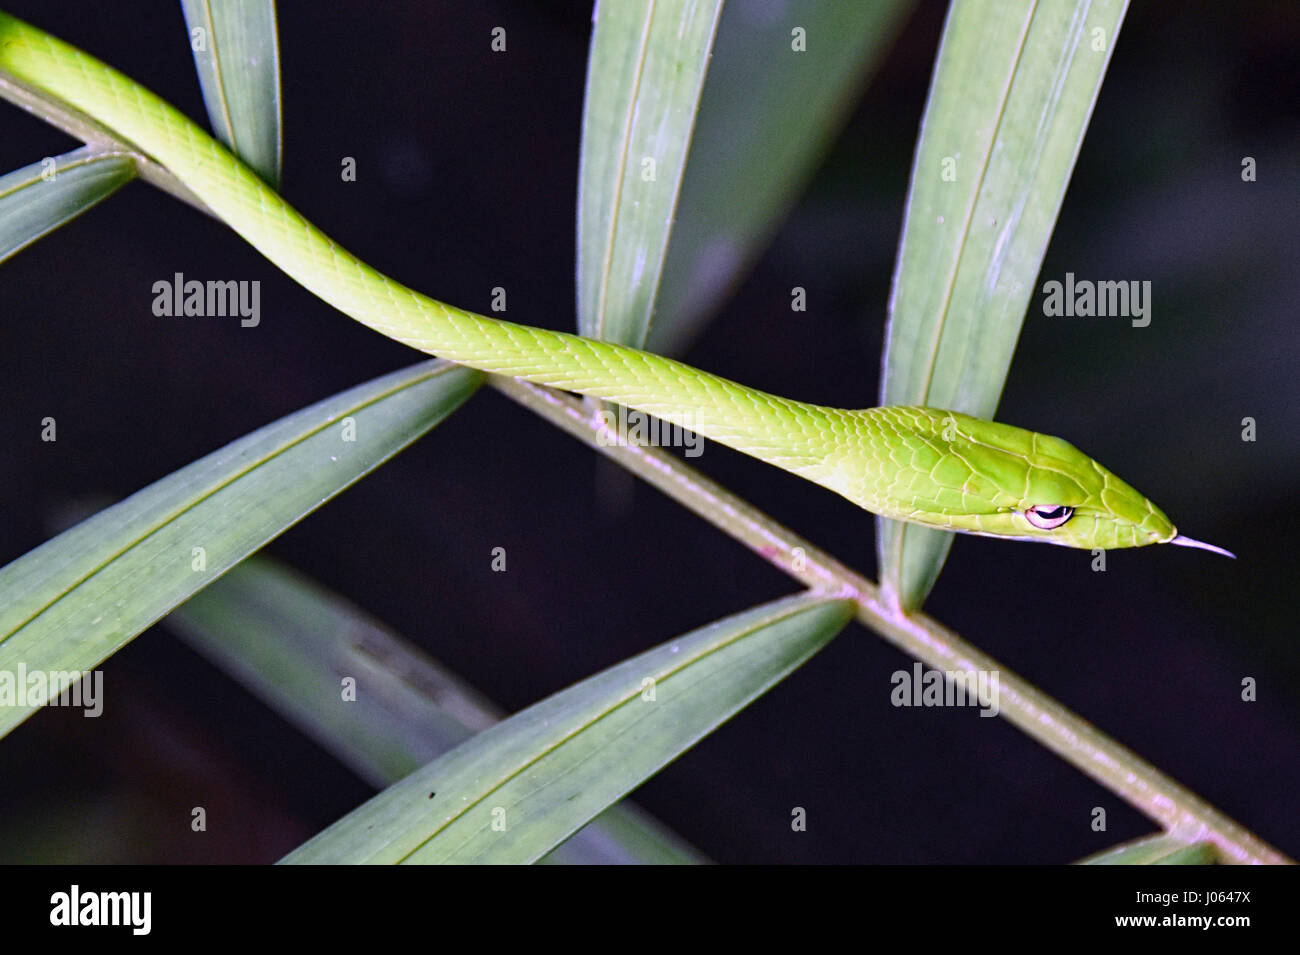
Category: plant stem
[1182,813]
[80,126]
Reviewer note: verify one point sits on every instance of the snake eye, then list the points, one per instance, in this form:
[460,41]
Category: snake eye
[1048,516]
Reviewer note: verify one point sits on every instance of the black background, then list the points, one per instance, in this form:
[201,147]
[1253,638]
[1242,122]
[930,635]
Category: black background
[467,174]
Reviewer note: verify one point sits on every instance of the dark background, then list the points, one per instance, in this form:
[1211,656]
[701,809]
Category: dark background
[467,173]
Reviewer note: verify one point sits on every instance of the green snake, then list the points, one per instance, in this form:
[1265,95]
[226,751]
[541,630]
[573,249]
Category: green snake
[923,465]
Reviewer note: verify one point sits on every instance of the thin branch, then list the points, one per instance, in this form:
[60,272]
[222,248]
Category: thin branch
[80,126]
[1182,813]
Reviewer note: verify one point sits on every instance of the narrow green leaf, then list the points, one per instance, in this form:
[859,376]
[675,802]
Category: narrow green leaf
[644,76]
[773,103]
[1012,93]
[237,54]
[291,642]
[517,790]
[39,198]
[75,600]
[624,834]
[1156,850]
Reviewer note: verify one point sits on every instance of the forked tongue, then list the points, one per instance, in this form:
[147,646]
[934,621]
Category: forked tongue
[1182,541]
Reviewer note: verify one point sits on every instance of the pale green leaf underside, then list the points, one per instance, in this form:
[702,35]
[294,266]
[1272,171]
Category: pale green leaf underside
[75,600]
[1156,850]
[1012,93]
[644,77]
[515,791]
[237,55]
[767,114]
[292,642]
[38,198]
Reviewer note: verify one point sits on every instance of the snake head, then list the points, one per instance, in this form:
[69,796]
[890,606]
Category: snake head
[1044,488]
[982,477]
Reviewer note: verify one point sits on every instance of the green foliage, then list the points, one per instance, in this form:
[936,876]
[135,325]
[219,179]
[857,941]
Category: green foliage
[1011,97]
[39,198]
[237,56]
[1156,850]
[1012,94]
[293,643]
[644,78]
[74,601]
[515,791]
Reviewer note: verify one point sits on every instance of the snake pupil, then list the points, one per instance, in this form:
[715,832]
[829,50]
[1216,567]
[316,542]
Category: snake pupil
[1048,516]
